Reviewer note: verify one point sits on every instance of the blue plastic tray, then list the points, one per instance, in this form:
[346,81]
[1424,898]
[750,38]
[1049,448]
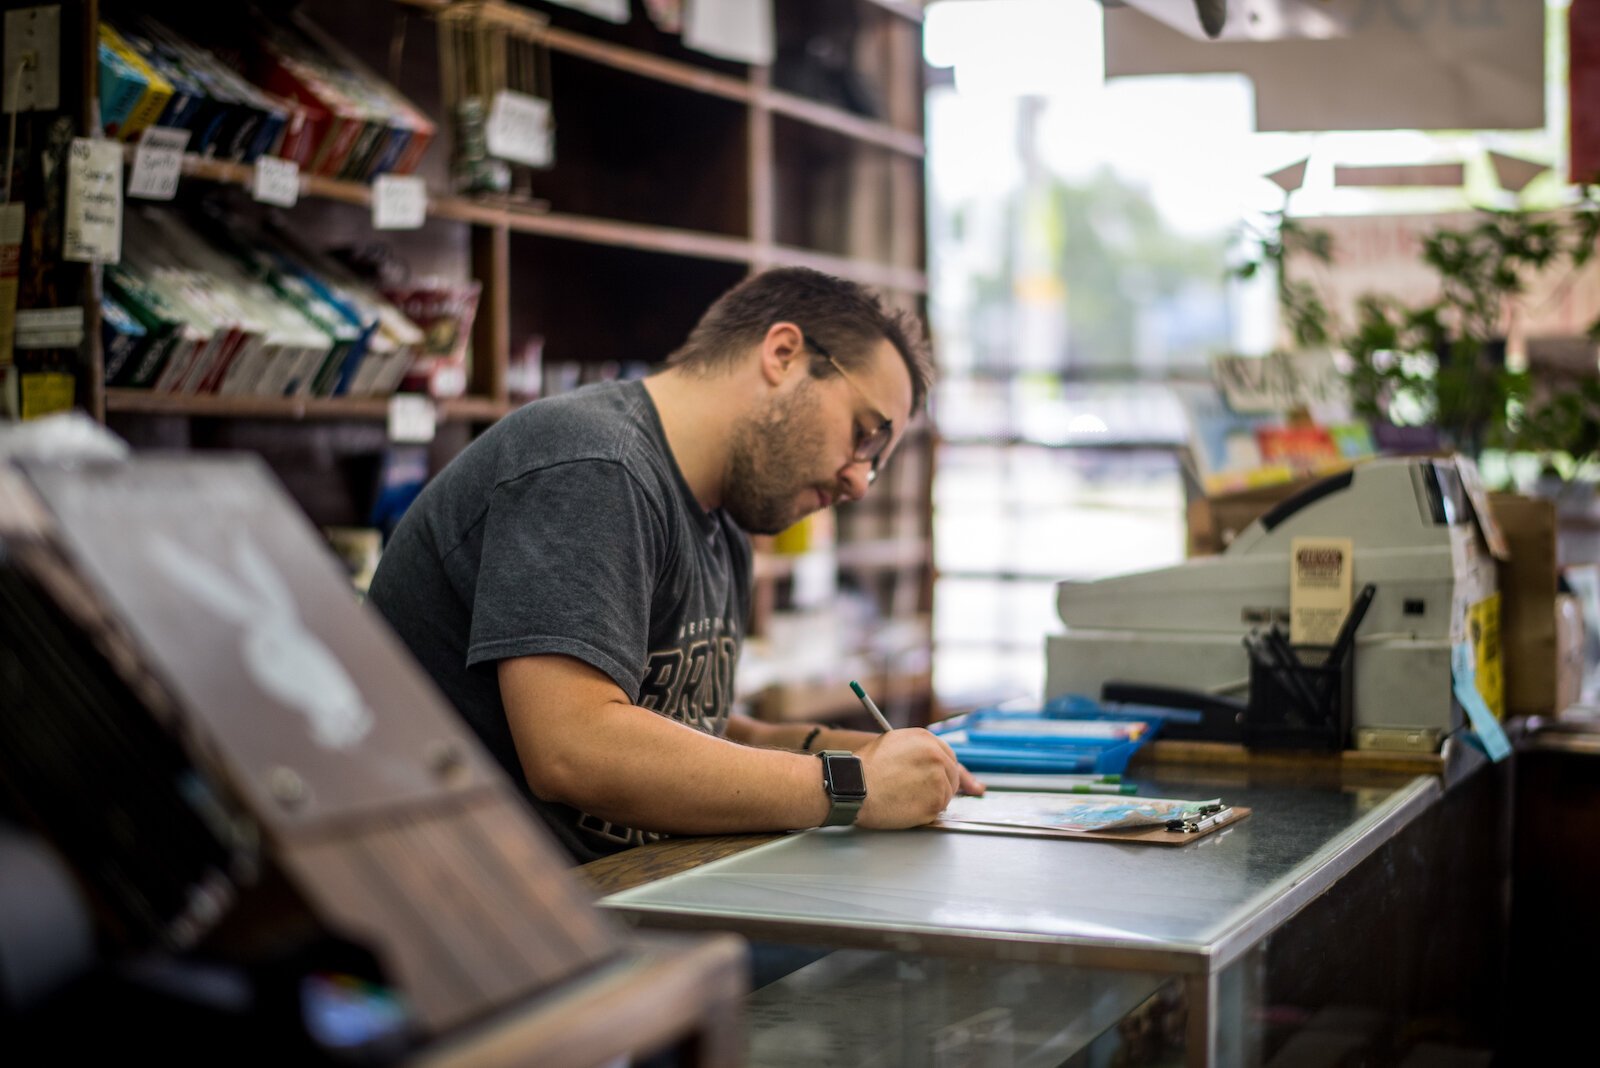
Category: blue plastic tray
[982,749]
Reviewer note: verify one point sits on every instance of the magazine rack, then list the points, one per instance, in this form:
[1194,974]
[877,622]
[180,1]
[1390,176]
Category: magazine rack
[250,777]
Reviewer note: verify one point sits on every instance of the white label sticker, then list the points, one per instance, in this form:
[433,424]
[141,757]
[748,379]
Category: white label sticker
[519,129]
[399,202]
[157,163]
[93,231]
[277,181]
[411,418]
[49,328]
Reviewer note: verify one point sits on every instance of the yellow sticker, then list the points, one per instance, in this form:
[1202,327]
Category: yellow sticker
[47,392]
[1483,628]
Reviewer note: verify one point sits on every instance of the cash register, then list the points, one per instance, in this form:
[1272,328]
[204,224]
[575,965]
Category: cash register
[1415,536]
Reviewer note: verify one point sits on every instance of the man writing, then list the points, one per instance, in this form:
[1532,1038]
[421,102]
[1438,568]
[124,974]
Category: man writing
[577,581]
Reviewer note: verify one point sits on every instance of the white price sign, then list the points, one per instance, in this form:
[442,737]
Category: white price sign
[277,181]
[411,418]
[399,202]
[519,129]
[157,163]
[93,229]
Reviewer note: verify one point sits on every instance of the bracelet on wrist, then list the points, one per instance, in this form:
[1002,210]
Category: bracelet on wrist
[805,746]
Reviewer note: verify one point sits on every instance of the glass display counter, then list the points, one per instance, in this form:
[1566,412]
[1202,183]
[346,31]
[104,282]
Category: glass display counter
[1338,912]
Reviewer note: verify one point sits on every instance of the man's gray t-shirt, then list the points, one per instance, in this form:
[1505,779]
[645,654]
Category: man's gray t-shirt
[568,528]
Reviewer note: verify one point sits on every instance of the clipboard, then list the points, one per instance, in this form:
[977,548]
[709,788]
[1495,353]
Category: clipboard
[1155,835]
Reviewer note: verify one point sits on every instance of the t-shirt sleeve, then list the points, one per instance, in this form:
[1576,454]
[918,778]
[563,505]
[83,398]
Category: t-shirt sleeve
[570,555]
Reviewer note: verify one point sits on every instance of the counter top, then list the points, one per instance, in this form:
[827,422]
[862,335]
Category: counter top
[1192,908]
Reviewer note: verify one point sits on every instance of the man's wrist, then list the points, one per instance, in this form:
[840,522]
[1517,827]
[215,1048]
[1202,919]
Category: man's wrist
[845,783]
[811,798]
[839,738]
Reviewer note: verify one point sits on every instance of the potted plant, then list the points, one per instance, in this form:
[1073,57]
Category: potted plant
[1443,364]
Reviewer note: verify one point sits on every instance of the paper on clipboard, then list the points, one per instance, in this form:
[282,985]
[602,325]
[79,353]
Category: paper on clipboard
[1061,812]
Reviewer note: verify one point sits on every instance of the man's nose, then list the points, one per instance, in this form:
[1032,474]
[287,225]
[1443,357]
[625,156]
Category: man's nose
[854,479]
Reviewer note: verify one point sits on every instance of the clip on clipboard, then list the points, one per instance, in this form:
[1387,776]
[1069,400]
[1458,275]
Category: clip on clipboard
[1018,816]
[1155,835]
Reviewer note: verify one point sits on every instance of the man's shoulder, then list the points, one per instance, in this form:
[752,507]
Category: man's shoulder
[608,422]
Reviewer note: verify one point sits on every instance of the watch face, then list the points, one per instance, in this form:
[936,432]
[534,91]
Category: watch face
[845,778]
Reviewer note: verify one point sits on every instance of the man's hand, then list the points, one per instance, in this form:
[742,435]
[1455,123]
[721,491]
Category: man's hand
[911,777]
[967,785]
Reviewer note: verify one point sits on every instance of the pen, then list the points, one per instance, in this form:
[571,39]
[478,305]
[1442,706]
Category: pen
[1347,632]
[865,700]
[1102,788]
[1293,677]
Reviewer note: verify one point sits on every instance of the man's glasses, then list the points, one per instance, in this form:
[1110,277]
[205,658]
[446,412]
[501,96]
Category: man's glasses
[869,444]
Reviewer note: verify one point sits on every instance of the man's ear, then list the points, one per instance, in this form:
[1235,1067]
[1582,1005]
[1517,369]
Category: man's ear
[783,348]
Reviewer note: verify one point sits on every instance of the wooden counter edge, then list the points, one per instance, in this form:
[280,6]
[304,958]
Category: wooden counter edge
[647,863]
[1225,754]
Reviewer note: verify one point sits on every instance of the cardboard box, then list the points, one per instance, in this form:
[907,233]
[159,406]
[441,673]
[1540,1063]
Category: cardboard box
[1570,635]
[1541,633]
[1216,520]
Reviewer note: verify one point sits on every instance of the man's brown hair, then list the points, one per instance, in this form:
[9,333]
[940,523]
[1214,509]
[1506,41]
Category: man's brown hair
[843,318]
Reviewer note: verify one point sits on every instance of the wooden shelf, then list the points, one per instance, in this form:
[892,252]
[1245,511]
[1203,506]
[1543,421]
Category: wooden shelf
[890,554]
[670,71]
[527,218]
[687,76]
[294,409]
[759,174]
[767,567]
[802,702]
[1017,441]
[881,275]
[482,211]
[638,236]
[843,122]
[911,10]
[882,554]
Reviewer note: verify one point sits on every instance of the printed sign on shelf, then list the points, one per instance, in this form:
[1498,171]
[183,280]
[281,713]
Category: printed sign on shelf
[158,163]
[411,418]
[399,202]
[93,230]
[277,181]
[519,129]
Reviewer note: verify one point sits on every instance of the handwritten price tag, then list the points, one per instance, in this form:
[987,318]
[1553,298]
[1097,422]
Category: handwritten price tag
[277,181]
[93,229]
[157,163]
[399,202]
[519,129]
[411,418]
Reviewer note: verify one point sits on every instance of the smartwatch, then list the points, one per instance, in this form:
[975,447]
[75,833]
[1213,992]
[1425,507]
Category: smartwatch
[846,784]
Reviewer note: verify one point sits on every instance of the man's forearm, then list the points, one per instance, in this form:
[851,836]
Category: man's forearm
[633,767]
[747,731]
[583,744]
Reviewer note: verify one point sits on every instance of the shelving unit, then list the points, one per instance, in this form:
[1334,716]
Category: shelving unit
[676,174]
[206,406]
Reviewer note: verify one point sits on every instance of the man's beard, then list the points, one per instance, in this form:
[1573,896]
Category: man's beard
[768,452]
